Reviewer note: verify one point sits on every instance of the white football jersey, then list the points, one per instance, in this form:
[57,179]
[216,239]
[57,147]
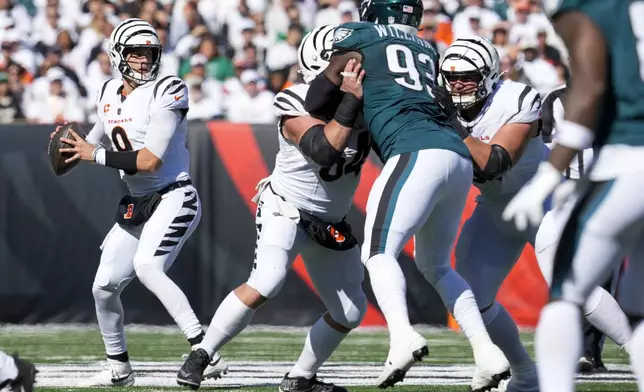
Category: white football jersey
[324,192]
[126,120]
[510,102]
[553,113]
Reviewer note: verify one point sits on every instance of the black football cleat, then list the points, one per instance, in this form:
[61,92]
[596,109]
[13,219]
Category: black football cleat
[301,384]
[26,376]
[190,374]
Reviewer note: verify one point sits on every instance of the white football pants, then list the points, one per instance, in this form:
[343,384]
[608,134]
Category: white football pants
[147,252]
[421,193]
[336,275]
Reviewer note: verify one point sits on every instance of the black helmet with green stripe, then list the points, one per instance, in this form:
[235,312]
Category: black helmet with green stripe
[402,12]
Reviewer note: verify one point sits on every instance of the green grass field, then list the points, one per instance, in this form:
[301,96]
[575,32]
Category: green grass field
[259,358]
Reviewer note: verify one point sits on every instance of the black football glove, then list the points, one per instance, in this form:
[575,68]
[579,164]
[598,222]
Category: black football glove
[444,99]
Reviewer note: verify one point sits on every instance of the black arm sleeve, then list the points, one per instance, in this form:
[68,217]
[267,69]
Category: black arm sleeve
[315,145]
[321,92]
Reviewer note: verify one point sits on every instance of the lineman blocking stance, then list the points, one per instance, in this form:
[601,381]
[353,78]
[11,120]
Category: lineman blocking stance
[301,209]
[163,207]
[423,186]
[500,120]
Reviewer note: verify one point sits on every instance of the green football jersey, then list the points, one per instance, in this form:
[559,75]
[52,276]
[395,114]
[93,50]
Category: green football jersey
[622,24]
[399,110]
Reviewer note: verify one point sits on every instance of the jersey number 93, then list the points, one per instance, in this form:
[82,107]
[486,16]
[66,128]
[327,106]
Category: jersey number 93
[400,60]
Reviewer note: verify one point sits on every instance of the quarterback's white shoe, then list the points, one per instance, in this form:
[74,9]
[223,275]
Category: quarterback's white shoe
[215,369]
[403,354]
[114,374]
[491,368]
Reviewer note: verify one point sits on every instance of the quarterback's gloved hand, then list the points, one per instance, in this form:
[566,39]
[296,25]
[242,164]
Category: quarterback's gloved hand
[527,206]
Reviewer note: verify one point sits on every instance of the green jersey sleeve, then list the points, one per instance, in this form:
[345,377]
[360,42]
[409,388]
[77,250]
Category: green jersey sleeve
[350,37]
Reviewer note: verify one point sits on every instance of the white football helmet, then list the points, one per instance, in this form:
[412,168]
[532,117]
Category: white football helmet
[133,34]
[473,58]
[315,51]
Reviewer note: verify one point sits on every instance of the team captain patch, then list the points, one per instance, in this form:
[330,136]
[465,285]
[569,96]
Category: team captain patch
[341,34]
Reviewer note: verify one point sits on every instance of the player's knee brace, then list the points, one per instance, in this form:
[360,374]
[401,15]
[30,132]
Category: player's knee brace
[102,295]
[352,312]
[489,312]
[269,270]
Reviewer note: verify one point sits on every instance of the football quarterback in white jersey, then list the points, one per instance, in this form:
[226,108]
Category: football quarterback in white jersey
[502,118]
[144,120]
[301,209]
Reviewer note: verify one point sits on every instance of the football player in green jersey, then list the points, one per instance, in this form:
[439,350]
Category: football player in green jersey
[604,108]
[423,186]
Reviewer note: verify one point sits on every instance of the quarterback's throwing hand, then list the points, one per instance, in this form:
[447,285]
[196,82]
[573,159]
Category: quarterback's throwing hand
[80,148]
[352,78]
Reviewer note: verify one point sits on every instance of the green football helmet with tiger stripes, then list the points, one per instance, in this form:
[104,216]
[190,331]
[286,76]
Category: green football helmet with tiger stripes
[401,12]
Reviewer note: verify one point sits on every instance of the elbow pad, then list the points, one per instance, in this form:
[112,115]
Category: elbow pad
[498,163]
[315,145]
[321,94]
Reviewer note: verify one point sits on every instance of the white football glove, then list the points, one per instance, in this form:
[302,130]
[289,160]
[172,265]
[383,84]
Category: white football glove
[526,207]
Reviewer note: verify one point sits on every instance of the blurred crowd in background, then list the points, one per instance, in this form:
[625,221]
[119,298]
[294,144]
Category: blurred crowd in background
[234,55]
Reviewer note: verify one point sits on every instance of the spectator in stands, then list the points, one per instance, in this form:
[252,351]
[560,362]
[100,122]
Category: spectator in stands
[253,104]
[235,36]
[284,53]
[546,51]
[10,110]
[57,105]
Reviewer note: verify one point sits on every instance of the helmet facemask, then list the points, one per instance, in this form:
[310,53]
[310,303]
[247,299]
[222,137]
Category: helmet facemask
[466,87]
[134,70]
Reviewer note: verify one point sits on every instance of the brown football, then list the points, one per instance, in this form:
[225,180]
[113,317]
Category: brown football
[57,158]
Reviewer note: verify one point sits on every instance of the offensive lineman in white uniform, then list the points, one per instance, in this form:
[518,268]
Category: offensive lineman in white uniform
[163,207]
[502,118]
[311,189]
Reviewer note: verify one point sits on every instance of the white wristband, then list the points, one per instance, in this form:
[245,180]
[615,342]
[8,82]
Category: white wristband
[573,135]
[99,156]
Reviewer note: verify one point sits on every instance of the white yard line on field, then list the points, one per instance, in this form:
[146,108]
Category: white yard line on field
[251,373]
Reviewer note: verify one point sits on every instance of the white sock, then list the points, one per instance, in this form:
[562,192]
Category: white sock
[505,334]
[231,317]
[8,369]
[320,343]
[636,350]
[390,288]
[172,298]
[460,302]
[602,311]
[109,314]
[558,342]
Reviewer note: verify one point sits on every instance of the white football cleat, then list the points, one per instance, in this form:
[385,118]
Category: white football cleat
[491,368]
[402,357]
[215,369]
[114,374]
